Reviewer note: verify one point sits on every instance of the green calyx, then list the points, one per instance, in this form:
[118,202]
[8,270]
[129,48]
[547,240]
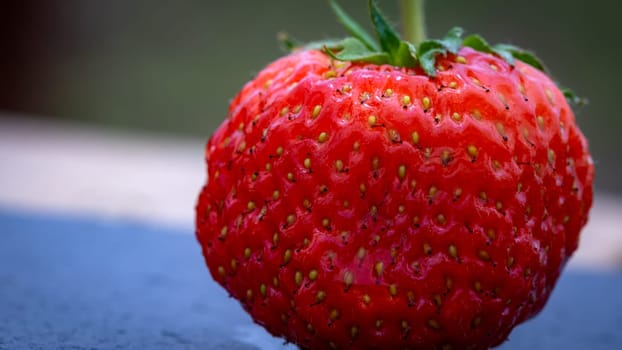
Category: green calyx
[390,48]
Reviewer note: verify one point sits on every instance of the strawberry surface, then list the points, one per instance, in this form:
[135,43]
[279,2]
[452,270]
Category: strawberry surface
[367,206]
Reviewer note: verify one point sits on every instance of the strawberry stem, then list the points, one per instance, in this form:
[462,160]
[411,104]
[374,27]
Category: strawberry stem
[413,21]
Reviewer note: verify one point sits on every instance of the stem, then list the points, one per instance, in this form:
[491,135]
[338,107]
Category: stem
[413,21]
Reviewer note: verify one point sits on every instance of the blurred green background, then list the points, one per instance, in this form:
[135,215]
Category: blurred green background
[172,66]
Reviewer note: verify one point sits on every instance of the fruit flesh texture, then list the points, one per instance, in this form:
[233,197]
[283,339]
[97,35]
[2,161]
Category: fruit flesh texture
[433,211]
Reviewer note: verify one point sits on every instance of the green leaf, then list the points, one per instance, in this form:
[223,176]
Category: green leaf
[573,99]
[477,43]
[388,37]
[406,55]
[427,55]
[354,50]
[453,40]
[287,43]
[353,27]
[523,55]
[334,44]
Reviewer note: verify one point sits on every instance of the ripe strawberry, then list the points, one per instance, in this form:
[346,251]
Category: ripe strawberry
[421,197]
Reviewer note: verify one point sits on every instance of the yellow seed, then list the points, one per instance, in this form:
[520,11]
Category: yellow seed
[221,271]
[347,87]
[427,249]
[275,282]
[356,146]
[276,194]
[433,323]
[415,137]
[491,233]
[441,219]
[379,267]
[499,205]
[393,290]
[309,327]
[483,196]
[405,100]
[453,85]
[549,95]
[401,171]
[483,255]
[320,296]
[378,323]
[307,163]
[284,111]
[263,290]
[449,283]
[461,59]
[298,278]
[287,256]
[432,191]
[325,222]
[478,286]
[354,332]
[290,176]
[223,232]
[339,165]
[247,252]
[323,137]
[316,111]
[388,93]
[275,238]
[540,121]
[362,188]
[297,108]
[234,264]
[268,83]
[348,278]
[290,219]
[510,262]
[456,116]
[251,205]
[453,251]
[500,129]
[330,74]
[366,299]
[425,102]
[458,192]
[371,120]
[279,151]
[551,156]
[373,210]
[494,67]
[268,166]
[375,163]
[361,253]
[401,209]
[312,275]
[334,314]
[565,219]
[249,294]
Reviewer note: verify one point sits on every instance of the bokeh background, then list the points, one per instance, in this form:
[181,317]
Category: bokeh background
[172,66]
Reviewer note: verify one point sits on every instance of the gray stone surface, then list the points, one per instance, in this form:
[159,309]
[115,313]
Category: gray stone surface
[71,283]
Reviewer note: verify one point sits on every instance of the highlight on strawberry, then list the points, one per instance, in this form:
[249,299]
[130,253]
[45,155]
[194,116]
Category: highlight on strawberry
[392,193]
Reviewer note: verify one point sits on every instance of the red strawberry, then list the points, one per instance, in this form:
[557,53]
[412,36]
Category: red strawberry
[412,198]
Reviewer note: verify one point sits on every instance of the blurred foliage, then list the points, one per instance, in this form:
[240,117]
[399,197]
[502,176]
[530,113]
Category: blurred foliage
[173,66]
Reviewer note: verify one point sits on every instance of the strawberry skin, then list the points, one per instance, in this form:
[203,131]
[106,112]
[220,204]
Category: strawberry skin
[353,205]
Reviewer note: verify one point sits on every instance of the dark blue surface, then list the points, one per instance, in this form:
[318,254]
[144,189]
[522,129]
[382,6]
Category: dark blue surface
[69,283]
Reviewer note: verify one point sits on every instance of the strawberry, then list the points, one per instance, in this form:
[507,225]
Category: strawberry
[392,195]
